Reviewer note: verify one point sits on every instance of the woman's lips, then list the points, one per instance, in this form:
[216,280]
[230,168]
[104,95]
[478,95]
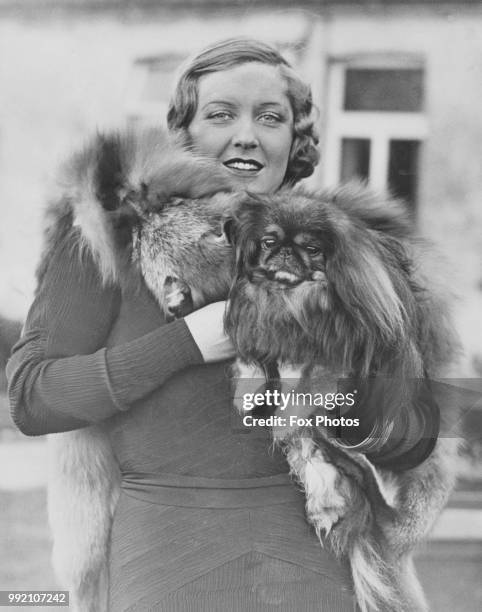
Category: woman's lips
[243,167]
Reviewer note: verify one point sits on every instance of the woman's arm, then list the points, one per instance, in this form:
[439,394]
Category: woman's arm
[60,375]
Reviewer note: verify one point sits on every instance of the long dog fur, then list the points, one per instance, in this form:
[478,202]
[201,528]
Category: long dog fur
[363,310]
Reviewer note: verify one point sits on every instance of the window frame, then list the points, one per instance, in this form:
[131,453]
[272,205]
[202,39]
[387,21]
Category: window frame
[379,127]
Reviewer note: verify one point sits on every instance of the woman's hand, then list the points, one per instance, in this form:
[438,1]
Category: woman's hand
[207,328]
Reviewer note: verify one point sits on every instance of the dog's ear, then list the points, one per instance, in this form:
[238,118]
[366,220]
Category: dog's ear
[365,285]
[377,211]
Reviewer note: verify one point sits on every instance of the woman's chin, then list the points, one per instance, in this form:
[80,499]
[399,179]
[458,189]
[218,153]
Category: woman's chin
[245,181]
[256,182]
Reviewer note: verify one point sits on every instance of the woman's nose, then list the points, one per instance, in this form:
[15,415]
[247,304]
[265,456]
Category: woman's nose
[245,135]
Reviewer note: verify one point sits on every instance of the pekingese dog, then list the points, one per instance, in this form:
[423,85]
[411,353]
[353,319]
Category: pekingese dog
[327,287]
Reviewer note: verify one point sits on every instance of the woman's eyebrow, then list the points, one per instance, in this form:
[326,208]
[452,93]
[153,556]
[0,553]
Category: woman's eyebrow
[223,102]
[273,103]
[277,105]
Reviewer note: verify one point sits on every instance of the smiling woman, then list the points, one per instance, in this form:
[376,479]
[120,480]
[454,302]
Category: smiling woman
[207,518]
[244,119]
[246,88]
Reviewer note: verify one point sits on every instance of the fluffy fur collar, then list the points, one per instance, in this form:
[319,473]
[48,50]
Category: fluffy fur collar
[104,188]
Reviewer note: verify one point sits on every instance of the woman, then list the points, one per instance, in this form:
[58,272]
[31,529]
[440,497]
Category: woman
[208,518]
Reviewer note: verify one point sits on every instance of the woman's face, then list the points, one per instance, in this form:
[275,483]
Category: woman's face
[244,119]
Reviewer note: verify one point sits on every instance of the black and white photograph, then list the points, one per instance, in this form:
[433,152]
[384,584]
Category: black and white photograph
[241,305]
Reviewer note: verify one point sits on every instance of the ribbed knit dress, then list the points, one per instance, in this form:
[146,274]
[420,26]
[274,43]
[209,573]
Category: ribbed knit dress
[208,519]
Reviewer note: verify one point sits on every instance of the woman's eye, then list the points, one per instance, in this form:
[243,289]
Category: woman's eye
[268,243]
[312,250]
[220,116]
[270,118]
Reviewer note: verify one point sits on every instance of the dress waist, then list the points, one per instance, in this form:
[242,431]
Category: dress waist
[200,492]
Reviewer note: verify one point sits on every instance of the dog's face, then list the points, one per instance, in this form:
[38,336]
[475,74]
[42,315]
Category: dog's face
[282,240]
[352,255]
[289,256]
[322,270]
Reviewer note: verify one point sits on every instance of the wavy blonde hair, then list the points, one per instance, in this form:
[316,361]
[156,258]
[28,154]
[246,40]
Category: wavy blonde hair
[304,154]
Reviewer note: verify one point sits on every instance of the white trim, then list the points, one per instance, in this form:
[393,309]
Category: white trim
[379,154]
[388,60]
[408,126]
[332,157]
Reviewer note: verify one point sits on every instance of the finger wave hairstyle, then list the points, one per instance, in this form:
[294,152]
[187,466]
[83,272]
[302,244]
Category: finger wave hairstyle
[304,154]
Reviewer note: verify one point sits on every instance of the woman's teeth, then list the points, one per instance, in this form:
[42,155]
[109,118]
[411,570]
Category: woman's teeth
[243,165]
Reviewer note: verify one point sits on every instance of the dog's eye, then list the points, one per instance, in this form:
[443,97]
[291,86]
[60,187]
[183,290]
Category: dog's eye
[268,242]
[312,250]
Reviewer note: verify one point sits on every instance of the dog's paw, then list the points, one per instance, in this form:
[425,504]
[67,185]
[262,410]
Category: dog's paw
[325,506]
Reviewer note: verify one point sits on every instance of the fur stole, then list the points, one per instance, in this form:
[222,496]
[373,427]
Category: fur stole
[103,191]
[106,192]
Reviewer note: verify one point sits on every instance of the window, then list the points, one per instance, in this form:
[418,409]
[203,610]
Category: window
[375,123]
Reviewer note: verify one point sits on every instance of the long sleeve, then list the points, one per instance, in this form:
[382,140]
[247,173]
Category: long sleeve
[406,432]
[61,376]
[414,433]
